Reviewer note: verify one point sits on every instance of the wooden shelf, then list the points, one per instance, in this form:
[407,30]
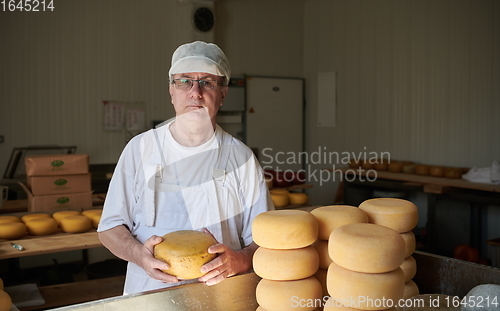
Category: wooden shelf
[59,242]
[433,183]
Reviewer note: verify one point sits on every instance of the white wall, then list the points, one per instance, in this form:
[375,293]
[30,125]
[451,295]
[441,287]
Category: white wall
[416,78]
[419,79]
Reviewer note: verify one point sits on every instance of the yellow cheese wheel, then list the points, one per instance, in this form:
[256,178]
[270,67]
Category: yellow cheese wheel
[422,169]
[409,267]
[4,219]
[410,290]
[62,214]
[332,304]
[298,198]
[95,219]
[186,251]
[321,247]
[280,200]
[29,217]
[436,171]
[75,224]
[41,226]
[92,212]
[5,301]
[365,291]
[289,295]
[285,229]
[279,191]
[398,214]
[366,248]
[331,217]
[12,230]
[285,264]
[410,242]
[395,167]
[320,275]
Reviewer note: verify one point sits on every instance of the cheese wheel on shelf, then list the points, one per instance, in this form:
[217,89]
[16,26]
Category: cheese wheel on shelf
[321,247]
[284,229]
[4,219]
[95,219]
[367,248]
[331,217]
[92,212]
[410,242]
[409,267]
[410,290]
[279,191]
[365,291]
[75,224]
[41,226]
[395,167]
[62,214]
[422,169]
[298,198]
[398,214]
[280,199]
[12,230]
[5,301]
[29,217]
[285,264]
[332,304]
[289,295]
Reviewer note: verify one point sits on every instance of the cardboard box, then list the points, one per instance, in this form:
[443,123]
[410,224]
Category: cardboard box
[56,164]
[57,202]
[59,184]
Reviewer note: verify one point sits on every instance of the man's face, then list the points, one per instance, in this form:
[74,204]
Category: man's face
[196,97]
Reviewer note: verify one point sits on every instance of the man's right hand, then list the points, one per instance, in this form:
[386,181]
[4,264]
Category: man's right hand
[153,266]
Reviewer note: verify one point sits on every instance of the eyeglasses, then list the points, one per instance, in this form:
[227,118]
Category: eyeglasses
[187,84]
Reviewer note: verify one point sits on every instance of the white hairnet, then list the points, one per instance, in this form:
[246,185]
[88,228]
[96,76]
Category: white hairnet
[200,56]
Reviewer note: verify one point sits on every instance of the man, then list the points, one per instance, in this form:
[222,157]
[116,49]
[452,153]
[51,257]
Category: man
[186,174]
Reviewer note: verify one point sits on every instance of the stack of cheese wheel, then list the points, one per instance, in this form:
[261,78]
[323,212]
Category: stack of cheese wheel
[329,218]
[401,216]
[280,198]
[286,260]
[365,272]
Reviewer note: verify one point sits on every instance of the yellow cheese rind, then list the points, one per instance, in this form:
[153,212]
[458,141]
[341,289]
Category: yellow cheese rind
[75,224]
[285,264]
[284,229]
[92,212]
[62,214]
[29,217]
[95,219]
[185,251]
[298,198]
[409,267]
[322,249]
[398,214]
[12,230]
[367,248]
[365,291]
[5,301]
[410,290]
[4,219]
[41,226]
[289,295]
[410,242]
[280,199]
[333,216]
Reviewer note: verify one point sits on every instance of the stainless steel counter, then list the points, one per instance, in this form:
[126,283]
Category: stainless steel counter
[435,275]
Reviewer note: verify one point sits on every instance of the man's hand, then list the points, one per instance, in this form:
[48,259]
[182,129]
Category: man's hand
[151,265]
[228,262]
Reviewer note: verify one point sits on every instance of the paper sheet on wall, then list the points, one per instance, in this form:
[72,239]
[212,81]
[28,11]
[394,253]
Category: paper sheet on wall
[136,118]
[114,115]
